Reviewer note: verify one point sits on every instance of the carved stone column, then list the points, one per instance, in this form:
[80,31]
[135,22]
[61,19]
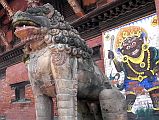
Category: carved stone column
[64,70]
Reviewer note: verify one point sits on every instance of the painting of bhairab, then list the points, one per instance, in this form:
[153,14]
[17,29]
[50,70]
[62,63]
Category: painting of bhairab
[135,56]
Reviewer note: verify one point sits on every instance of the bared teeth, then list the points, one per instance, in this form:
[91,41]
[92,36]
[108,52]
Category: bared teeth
[135,52]
[52,38]
[31,37]
[46,37]
[27,38]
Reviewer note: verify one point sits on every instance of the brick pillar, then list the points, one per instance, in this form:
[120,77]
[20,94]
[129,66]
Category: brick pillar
[157,8]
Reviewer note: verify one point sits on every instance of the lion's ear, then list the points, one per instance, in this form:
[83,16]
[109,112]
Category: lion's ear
[50,9]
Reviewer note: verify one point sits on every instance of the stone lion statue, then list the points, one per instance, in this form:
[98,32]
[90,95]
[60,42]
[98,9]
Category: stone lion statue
[60,65]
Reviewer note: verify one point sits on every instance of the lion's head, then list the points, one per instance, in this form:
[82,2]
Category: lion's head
[43,25]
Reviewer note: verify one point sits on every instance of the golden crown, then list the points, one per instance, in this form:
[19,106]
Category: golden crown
[128,32]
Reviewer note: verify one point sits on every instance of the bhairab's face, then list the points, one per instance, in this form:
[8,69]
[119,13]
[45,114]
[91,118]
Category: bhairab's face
[132,46]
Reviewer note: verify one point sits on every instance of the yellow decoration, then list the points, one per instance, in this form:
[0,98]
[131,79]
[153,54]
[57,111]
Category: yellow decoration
[139,61]
[136,72]
[137,78]
[154,21]
[148,60]
[140,78]
[130,92]
[125,58]
[129,111]
[129,108]
[128,32]
[142,64]
[156,108]
[157,62]
[145,47]
[154,88]
[152,71]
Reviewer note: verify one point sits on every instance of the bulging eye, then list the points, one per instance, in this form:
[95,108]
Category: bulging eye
[127,47]
[125,44]
[133,43]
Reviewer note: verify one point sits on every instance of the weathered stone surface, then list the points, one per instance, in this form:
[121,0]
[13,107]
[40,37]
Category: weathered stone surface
[60,65]
[113,105]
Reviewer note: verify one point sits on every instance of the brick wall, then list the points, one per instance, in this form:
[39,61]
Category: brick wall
[15,74]
[16,110]
[18,73]
[96,42]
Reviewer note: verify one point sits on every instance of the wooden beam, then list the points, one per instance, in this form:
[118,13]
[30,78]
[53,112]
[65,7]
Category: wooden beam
[88,2]
[76,7]
[6,7]
[109,16]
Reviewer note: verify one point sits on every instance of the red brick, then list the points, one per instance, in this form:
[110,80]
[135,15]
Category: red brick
[16,73]
[96,42]
[16,111]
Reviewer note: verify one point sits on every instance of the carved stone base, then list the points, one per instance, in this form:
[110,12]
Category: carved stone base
[113,105]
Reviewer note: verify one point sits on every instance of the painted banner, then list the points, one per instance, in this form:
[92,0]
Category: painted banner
[131,59]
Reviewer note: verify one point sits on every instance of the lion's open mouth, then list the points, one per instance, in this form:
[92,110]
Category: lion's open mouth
[20,23]
[25,29]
